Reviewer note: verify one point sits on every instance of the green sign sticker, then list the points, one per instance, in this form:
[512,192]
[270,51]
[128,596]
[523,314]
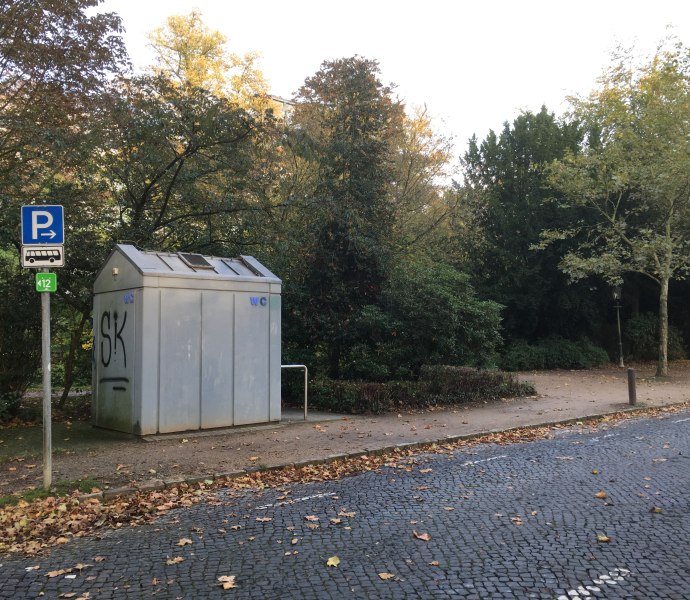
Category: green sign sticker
[46,282]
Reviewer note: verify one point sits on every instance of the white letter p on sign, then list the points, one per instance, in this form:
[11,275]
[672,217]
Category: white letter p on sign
[37,224]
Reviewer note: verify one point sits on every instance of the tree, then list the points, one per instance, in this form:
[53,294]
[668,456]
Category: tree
[422,165]
[350,120]
[55,60]
[174,160]
[506,187]
[189,52]
[633,175]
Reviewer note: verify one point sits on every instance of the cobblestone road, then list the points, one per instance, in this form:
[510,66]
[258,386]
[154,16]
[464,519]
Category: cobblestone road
[516,521]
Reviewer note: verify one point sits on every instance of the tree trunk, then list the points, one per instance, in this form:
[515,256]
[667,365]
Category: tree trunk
[71,359]
[662,366]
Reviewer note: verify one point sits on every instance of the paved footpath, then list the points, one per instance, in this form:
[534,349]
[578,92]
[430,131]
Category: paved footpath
[587,514]
[116,461]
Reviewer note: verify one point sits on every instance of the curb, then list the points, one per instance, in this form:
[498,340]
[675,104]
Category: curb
[160,484]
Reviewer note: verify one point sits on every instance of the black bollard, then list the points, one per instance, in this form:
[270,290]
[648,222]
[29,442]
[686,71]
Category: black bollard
[632,392]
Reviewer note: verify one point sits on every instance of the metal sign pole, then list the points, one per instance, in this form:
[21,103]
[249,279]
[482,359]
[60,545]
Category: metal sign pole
[47,417]
[43,225]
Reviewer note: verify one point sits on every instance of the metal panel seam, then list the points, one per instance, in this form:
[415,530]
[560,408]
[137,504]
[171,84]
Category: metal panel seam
[158,360]
[234,361]
[201,359]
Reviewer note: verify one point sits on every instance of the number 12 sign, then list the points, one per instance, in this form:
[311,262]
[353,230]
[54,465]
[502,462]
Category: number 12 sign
[46,282]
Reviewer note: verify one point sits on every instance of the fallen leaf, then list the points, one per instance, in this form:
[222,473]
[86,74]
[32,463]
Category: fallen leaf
[184,542]
[253,458]
[57,573]
[386,576]
[335,520]
[264,519]
[174,561]
[656,509]
[603,538]
[227,581]
[425,470]
[595,471]
[434,563]
[333,561]
[421,536]
[311,518]
[344,513]
[601,495]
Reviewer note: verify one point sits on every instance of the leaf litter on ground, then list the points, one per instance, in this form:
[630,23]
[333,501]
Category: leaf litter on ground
[33,527]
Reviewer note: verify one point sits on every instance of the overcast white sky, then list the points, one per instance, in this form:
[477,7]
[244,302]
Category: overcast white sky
[475,64]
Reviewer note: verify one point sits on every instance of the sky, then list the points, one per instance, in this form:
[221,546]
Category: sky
[473,64]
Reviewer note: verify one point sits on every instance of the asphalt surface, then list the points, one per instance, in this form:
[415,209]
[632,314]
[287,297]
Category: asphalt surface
[517,521]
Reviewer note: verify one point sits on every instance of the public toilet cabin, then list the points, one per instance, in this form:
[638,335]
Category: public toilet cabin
[184,342]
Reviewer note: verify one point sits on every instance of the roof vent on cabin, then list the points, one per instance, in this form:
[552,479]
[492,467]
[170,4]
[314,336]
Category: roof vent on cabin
[196,261]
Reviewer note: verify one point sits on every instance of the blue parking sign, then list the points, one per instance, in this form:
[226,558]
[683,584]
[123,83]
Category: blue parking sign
[43,225]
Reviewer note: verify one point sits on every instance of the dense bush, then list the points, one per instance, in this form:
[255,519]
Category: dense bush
[10,402]
[430,314]
[438,385]
[553,353]
[641,338]
[444,384]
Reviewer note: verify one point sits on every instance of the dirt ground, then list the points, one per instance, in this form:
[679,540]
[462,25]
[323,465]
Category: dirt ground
[116,460]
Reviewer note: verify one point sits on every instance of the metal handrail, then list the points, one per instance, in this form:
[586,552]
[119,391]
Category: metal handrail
[306,379]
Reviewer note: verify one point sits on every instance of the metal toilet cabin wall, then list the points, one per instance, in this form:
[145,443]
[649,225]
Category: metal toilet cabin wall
[184,342]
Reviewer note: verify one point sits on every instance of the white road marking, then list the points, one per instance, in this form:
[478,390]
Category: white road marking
[682,420]
[613,577]
[295,500]
[469,463]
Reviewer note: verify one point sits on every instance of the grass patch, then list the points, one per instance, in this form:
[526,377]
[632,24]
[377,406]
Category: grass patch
[77,408]
[63,487]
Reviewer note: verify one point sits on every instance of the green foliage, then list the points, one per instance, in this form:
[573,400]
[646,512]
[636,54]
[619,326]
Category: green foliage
[440,318]
[20,332]
[506,198]
[641,338]
[553,353]
[175,158]
[350,119]
[438,385]
[429,314]
[54,61]
[10,403]
[633,177]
